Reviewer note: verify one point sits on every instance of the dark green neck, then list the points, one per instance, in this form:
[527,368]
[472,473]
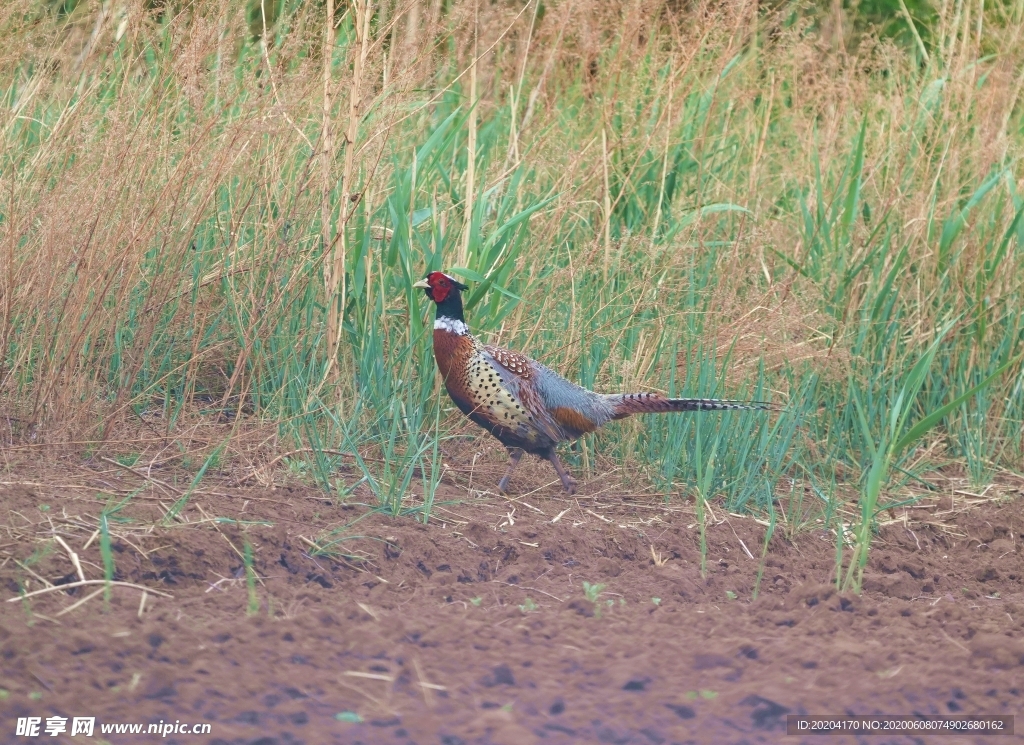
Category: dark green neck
[451,307]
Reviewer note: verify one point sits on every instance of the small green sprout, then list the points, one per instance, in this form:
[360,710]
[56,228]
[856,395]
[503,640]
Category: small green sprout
[703,693]
[528,606]
[591,592]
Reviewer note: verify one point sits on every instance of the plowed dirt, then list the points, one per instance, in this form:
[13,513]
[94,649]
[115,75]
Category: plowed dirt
[535,618]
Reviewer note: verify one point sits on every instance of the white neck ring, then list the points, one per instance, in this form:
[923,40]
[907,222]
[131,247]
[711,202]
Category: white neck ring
[451,326]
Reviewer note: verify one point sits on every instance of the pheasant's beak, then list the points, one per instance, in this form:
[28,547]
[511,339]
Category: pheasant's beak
[422,285]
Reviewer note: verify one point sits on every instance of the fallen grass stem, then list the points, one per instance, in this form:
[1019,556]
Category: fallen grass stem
[80,583]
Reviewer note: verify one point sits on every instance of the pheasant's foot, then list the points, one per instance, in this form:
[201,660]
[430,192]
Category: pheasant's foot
[568,482]
[514,454]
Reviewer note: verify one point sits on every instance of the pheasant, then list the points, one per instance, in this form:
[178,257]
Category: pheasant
[527,406]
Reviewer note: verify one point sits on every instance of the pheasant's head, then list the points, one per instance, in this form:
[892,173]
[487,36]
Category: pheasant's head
[441,288]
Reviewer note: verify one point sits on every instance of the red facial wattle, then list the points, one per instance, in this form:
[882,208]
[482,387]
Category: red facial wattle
[440,286]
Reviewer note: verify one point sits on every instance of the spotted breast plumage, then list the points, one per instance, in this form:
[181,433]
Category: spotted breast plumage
[527,406]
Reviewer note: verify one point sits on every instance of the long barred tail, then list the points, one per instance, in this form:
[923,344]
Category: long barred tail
[627,404]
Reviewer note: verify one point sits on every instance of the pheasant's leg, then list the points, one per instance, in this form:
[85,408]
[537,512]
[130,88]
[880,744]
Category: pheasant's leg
[514,454]
[568,482]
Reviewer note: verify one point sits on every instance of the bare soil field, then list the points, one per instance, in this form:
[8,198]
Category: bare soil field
[532,618]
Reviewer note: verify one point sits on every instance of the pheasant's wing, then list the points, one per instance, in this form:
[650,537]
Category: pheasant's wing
[517,374]
[571,410]
[505,402]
